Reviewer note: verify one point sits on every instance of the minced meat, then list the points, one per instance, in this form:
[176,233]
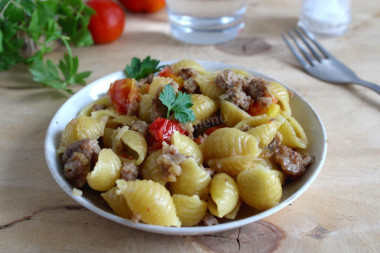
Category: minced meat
[188,75]
[169,161]
[129,171]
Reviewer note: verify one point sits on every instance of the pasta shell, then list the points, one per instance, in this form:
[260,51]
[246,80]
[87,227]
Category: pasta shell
[193,180]
[150,169]
[232,114]
[207,85]
[184,64]
[203,106]
[282,95]
[190,209]
[150,201]
[292,133]
[158,84]
[117,203]
[145,108]
[259,188]
[224,195]
[89,108]
[187,146]
[106,171]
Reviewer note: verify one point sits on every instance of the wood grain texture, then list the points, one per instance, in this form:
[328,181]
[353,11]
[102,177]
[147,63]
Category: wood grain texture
[340,212]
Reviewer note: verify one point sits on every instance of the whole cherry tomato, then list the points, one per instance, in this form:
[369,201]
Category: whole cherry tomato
[124,94]
[163,129]
[107,24]
[143,5]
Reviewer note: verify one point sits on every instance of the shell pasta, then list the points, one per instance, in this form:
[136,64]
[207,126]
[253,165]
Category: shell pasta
[177,147]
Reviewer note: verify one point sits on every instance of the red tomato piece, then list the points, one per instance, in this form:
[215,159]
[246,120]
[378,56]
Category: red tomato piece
[163,129]
[213,128]
[143,5]
[124,94]
[107,24]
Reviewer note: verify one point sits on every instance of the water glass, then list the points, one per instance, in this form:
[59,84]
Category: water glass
[206,21]
[325,18]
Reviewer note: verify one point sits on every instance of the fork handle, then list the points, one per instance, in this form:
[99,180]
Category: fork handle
[369,85]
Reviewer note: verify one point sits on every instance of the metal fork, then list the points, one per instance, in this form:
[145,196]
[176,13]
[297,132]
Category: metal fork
[320,63]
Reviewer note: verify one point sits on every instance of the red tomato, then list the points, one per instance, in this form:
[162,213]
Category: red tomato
[107,24]
[143,5]
[210,130]
[163,129]
[124,94]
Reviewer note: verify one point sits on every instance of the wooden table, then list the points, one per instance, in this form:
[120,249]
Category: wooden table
[340,212]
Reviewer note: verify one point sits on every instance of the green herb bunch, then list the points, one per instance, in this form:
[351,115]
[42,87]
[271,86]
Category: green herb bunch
[45,22]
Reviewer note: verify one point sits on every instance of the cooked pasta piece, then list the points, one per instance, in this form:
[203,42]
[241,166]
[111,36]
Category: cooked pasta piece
[150,201]
[106,171]
[104,101]
[224,195]
[158,84]
[193,180]
[82,127]
[187,146]
[262,127]
[282,95]
[241,72]
[207,85]
[268,164]
[230,150]
[150,169]
[190,209]
[121,120]
[292,133]
[259,188]
[232,114]
[145,108]
[203,106]
[273,110]
[232,215]
[107,137]
[129,145]
[111,112]
[184,64]
[117,203]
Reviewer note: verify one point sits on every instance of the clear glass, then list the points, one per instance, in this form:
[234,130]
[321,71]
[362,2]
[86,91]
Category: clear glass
[325,18]
[206,21]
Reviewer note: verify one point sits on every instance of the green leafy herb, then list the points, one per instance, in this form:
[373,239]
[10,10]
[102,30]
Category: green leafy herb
[141,69]
[40,24]
[180,104]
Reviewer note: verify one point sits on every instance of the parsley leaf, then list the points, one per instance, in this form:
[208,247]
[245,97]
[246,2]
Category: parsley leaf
[141,69]
[180,104]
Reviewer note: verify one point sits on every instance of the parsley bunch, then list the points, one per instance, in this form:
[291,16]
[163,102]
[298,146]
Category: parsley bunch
[180,104]
[44,22]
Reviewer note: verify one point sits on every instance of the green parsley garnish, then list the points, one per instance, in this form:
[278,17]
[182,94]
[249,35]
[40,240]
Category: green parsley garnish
[180,104]
[141,69]
[41,23]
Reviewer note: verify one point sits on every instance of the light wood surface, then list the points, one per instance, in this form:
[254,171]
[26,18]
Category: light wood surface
[340,212]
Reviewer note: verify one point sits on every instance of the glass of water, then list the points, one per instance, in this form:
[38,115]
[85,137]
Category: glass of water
[206,22]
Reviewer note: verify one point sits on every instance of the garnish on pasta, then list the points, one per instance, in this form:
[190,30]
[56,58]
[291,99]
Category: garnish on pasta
[179,103]
[139,69]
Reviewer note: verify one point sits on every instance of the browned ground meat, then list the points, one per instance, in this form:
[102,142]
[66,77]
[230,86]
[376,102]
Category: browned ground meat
[132,108]
[76,169]
[210,220]
[189,75]
[169,161]
[257,88]
[143,81]
[292,163]
[129,171]
[141,127]
[233,85]
[78,159]
[97,107]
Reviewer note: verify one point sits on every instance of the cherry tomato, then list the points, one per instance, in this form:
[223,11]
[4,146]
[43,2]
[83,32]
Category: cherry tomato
[107,24]
[163,129]
[124,94]
[143,5]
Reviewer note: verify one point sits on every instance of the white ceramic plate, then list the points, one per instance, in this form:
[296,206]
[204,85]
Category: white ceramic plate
[301,110]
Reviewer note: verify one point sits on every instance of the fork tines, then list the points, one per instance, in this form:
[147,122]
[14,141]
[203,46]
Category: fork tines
[318,53]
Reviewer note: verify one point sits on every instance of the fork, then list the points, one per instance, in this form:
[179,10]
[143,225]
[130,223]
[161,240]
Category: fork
[320,63]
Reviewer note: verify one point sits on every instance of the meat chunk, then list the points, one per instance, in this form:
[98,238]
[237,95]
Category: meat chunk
[141,127]
[292,163]
[234,85]
[129,171]
[78,159]
[76,169]
[210,220]
[147,80]
[257,88]
[189,75]
[98,107]
[169,161]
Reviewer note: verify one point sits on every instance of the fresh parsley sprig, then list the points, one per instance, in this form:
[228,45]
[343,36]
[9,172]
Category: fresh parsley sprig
[141,69]
[180,104]
[41,23]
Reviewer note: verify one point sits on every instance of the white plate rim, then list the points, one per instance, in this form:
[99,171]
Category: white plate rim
[49,143]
